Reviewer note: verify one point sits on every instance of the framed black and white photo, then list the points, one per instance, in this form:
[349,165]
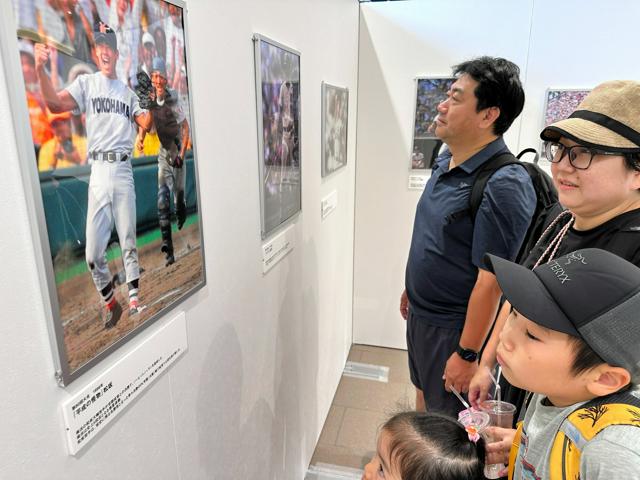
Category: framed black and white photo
[425,146]
[335,114]
[277,70]
[102,108]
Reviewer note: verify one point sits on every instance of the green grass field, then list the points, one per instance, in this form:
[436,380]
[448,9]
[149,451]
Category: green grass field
[80,266]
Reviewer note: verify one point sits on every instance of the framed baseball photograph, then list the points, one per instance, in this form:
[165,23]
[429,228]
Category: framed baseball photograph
[559,103]
[277,70]
[102,108]
[425,146]
[335,114]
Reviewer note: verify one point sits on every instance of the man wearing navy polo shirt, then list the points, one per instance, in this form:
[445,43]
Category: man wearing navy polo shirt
[450,298]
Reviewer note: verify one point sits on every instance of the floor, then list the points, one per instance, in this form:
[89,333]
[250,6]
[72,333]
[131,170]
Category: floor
[360,406]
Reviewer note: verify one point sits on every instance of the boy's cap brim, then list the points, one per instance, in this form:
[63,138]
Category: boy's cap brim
[529,296]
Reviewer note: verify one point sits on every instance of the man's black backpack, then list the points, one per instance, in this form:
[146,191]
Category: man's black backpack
[547,205]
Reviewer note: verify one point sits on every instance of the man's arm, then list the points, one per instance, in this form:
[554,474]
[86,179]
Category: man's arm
[142,133]
[481,311]
[481,382]
[184,141]
[57,102]
[143,120]
[502,221]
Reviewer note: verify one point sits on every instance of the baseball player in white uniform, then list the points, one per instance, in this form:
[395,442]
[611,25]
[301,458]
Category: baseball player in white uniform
[172,127]
[111,109]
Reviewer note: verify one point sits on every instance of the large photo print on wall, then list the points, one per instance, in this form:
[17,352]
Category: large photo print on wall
[560,103]
[112,166]
[425,145]
[335,114]
[278,111]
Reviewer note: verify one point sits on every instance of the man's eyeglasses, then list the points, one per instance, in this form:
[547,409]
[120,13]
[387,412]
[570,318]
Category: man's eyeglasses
[579,157]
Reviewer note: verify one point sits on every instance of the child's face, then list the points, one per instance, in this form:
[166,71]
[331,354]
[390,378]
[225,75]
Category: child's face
[538,359]
[379,466]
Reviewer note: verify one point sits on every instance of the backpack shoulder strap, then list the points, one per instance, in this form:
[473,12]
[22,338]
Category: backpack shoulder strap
[484,174]
[583,424]
[513,453]
[529,150]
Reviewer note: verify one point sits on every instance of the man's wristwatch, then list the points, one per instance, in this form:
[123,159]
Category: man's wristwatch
[466,354]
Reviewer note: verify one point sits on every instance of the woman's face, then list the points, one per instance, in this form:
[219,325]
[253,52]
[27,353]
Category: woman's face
[603,191]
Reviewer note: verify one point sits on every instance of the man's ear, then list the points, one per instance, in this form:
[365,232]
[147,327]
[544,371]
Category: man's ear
[636,180]
[606,379]
[489,117]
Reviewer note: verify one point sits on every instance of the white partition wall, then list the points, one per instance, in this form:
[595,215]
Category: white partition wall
[569,57]
[557,44]
[265,353]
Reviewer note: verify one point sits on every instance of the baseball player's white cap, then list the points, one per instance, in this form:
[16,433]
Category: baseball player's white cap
[148,38]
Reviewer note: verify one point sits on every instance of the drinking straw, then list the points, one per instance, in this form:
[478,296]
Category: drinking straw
[496,381]
[457,394]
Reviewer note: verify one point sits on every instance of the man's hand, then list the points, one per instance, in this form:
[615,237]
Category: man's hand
[479,386]
[458,372]
[41,54]
[404,305]
[498,449]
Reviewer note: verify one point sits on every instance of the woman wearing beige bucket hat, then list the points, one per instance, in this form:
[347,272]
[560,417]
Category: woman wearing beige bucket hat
[595,163]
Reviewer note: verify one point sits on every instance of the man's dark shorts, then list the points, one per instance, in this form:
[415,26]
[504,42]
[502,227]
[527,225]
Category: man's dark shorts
[429,349]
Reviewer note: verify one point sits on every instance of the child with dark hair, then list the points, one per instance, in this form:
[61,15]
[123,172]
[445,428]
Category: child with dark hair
[572,339]
[426,446]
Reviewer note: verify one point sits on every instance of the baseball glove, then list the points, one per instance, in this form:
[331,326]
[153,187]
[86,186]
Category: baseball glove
[145,92]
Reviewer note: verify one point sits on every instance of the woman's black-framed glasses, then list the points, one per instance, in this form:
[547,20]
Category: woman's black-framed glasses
[580,157]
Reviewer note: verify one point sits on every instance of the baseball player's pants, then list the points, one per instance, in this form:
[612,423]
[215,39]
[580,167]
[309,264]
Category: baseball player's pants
[112,199]
[174,178]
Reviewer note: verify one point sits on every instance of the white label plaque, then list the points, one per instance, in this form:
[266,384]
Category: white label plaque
[100,401]
[417,182]
[329,204]
[276,249]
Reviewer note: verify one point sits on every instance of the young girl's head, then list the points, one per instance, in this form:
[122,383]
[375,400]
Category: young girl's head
[425,446]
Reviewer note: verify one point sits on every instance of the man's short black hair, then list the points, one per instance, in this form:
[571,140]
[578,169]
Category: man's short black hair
[498,86]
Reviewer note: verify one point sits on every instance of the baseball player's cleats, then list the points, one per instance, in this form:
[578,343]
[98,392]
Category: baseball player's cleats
[167,249]
[133,306]
[112,313]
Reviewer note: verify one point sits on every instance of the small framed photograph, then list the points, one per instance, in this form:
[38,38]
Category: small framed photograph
[277,70]
[102,106]
[559,103]
[335,114]
[425,146]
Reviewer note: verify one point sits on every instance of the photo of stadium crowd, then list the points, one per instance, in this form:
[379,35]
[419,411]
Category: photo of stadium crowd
[560,103]
[107,95]
[425,146]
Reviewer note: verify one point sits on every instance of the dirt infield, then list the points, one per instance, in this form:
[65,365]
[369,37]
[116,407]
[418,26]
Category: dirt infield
[81,306]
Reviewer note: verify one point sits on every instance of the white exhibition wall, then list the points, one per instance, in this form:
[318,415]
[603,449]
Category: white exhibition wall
[249,397]
[573,43]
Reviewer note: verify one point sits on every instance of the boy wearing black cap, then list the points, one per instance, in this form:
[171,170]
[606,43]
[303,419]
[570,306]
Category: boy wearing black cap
[573,339]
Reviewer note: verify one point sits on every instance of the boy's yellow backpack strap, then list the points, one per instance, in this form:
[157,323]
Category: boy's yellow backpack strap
[513,453]
[583,424]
